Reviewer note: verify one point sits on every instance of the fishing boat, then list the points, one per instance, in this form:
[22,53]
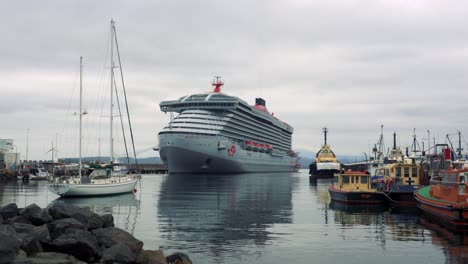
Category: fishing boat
[325,164]
[400,181]
[354,187]
[446,199]
[106,179]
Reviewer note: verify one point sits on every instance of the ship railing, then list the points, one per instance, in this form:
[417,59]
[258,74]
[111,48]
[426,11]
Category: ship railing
[445,183]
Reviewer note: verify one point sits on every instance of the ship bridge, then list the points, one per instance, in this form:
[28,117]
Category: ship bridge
[207,101]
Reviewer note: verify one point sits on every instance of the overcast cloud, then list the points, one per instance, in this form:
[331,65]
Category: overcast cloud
[347,65]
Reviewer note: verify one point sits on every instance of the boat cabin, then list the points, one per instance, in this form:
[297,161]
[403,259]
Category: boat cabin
[403,173]
[451,185]
[352,181]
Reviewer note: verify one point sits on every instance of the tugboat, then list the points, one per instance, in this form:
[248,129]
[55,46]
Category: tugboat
[325,164]
[400,181]
[446,199]
[354,187]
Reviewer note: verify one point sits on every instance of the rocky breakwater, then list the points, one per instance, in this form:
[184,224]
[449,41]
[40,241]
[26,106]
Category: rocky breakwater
[69,234]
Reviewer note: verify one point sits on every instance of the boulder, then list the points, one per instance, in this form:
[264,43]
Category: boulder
[152,257]
[58,227]
[36,215]
[9,211]
[178,258]
[77,242]
[31,245]
[18,219]
[118,253]
[90,219]
[48,258]
[108,237]
[23,228]
[9,244]
[107,220]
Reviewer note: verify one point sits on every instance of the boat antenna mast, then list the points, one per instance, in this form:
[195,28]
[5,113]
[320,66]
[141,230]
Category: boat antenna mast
[217,83]
[325,131]
[415,148]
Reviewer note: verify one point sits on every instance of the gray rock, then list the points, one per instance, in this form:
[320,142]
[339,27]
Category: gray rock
[23,228]
[9,244]
[107,220]
[18,219]
[48,258]
[108,237]
[58,227]
[90,219]
[152,257]
[119,253]
[9,211]
[31,245]
[178,258]
[36,215]
[77,242]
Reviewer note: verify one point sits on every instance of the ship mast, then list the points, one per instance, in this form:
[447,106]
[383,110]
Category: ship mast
[325,131]
[217,83]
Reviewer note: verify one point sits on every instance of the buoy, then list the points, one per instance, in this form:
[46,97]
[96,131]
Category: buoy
[135,190]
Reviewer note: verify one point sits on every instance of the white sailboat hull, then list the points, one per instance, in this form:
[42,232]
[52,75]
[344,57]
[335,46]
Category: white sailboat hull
[93,189]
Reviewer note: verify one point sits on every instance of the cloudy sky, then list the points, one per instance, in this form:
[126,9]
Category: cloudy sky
[347,65]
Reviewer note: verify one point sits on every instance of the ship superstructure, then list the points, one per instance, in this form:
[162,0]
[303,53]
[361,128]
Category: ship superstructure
[216,132]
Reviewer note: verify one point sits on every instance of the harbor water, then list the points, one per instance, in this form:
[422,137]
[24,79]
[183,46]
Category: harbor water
[260,218]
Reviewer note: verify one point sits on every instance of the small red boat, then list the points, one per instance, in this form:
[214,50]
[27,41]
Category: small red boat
[446,199]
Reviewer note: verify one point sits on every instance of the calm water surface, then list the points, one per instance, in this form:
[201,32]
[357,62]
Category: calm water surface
[260,218]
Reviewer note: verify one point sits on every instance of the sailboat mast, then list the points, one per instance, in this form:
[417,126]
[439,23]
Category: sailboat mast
[81,112]
[112,92]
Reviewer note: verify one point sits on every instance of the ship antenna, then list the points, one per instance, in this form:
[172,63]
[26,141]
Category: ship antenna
[217,83]
[325,131]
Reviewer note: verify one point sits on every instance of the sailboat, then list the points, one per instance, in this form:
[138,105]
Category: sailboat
[105,179]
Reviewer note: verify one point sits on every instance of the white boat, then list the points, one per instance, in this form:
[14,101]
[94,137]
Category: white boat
[108,179]
[34,174]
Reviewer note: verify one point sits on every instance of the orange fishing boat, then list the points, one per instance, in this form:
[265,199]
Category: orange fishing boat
[446,199]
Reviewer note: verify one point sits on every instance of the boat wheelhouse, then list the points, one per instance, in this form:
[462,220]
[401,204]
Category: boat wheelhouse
[400,181]
[354,187]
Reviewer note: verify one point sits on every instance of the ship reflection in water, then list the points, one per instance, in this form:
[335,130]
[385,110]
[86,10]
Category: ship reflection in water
[224,212]
[260,218]
[454,245]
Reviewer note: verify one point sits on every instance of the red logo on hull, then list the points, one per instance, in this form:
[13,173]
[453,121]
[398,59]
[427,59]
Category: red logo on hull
[232,151]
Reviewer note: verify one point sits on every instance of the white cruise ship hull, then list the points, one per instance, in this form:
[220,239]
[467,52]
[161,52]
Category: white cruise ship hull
[188,153]
[68,189]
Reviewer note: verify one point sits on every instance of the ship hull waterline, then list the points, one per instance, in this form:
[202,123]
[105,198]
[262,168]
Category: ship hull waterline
[202,154]
[355,197]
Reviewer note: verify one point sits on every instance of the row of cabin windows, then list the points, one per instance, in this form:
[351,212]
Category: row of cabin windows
[353,179]
[166,107]
[403,172]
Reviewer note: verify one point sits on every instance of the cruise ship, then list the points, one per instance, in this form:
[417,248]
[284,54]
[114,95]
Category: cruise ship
[217,133]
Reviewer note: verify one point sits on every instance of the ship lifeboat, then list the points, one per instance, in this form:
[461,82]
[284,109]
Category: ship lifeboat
[261,148]
[269,148]
[292,153]
[249,145]
[256,147]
